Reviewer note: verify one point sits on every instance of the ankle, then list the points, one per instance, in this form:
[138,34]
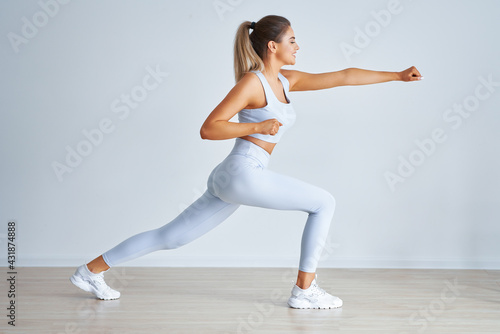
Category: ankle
[304,279]
[98,265]
[303,284]
[93,269]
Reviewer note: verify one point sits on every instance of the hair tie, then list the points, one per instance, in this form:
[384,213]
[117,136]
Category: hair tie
[252,26]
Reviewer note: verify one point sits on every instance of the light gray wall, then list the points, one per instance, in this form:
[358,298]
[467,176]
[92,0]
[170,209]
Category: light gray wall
[69,74]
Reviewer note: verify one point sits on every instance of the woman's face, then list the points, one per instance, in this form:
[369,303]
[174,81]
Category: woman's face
[287,48]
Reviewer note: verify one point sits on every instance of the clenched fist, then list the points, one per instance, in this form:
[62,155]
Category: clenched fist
[410,74]
[270,127]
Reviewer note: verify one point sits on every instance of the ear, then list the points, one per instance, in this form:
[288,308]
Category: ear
[271,45]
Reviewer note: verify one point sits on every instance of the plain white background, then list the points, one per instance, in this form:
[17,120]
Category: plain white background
[70,73]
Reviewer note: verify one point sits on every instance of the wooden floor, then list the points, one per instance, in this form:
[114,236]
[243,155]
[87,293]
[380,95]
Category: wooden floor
[251,300]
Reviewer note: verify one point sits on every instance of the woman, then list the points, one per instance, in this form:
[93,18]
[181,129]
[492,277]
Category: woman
[260,97]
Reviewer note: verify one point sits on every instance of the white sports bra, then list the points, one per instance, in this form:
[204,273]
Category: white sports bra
[283,112]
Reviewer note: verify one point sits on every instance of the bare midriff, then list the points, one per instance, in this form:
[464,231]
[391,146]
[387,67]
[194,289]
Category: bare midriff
[268,147]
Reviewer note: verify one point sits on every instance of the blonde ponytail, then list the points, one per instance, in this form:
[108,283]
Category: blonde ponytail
[245,57]
[250,49]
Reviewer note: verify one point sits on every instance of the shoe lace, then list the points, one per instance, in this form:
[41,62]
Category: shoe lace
[99,281]
[316,290]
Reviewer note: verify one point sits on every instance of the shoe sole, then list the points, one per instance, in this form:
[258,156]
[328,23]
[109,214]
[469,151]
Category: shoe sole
[77,281]
[306,305]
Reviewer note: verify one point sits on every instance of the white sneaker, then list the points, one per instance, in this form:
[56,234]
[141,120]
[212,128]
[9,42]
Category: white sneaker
[313,297]
[94,283]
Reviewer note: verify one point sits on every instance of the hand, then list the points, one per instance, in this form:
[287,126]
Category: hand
[410,74]
[270,127]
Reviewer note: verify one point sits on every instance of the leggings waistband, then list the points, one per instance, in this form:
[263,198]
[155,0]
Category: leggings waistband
[247,148]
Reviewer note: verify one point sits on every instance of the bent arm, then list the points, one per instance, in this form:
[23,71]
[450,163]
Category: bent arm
[217,125]
[301,81]
[220,130]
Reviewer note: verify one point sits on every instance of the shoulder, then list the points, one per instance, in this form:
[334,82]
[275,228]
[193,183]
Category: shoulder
[250,84]
[247,91]
[249,79]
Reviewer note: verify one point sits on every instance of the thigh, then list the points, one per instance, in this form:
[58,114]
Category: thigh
[267,189]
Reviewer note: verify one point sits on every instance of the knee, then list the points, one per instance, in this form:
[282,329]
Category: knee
[327,202]
[169,239]
[171,244]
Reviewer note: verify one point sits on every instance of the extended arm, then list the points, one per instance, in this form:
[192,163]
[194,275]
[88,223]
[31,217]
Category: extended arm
[301,81]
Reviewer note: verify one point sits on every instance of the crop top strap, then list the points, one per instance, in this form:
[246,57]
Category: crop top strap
[270,96]
[284,81]
[267,89]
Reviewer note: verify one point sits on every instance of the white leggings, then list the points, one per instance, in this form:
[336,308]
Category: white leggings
[241,178]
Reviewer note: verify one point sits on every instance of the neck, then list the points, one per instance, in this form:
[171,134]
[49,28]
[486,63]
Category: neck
[271,69]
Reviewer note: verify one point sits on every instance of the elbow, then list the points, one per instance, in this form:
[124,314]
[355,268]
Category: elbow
[205,133]
[350,76]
